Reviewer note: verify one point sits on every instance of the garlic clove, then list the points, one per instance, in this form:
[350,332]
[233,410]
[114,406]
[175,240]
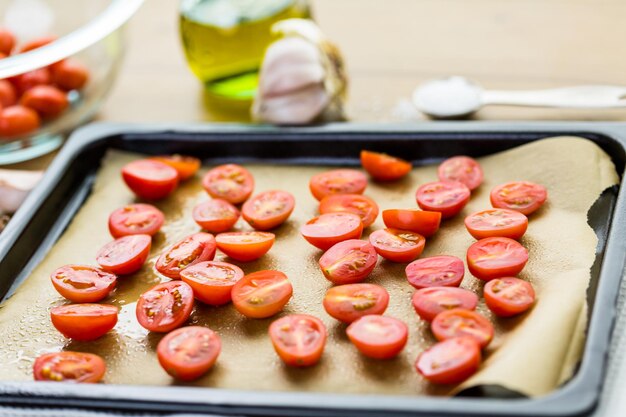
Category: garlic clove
[15,186]
[300,107]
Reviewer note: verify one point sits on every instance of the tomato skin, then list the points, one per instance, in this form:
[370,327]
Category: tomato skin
[165,307]
[216,215]
[229,182]
[397,245]
[69,74]
[307,333]
[186,166]
[212,282]
[125,255]
[18,120]
[448,198]
[151,180]
[84,322]
[348,262]
[326,230]
[436,271]
[28,80]
[83,283]
[428,302]
[358,204]
[46,100]
[350,302]
[337,181]
[450,362]
[69,367]
[262,294]
[496,257]
[509,296]
[460,322]
[8,95]
[497,223]
[383,167]
[523,196]
[268,209]
[245,246]
[426,223]
[461,169]
[136,219]
[37,43]
[7,42]
[187,252]
[369,341]
[189,352]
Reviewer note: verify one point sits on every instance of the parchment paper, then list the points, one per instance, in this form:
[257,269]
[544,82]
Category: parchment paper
[531,354]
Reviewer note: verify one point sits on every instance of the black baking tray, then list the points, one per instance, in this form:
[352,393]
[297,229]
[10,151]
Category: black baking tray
[48,209]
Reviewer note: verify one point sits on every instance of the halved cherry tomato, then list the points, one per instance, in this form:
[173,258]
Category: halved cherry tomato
[426,223]
[245,246]
[8,96]
[165,306]
[509,296]
[268,209]
[523,196]
[497,223]
[212,282]
[348,303]
[450,362]
[378,337]
[186,166]
[152,180]
[69,367]
[216,215]
[397,245]
[28,80]
[136,219]
[189,352]
[384,167]
[338,181]
[7,42]
[46,100]
[436,271]
[125,255]
[37,43]
[496,257]
[69,74]
[193,249]
[84,322]
[298,339]
[18,120]
[262,294]
[448,198]
[460,322]
[348,262]
[428,302]
[461,169]
[326,230]
[83,283]
[229,182]
[362,206]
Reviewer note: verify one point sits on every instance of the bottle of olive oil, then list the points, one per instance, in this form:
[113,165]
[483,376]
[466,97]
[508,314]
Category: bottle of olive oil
[224,41]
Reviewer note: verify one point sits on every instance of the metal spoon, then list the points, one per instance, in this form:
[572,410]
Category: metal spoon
[456,97]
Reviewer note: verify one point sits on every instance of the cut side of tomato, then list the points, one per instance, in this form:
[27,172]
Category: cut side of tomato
[436,271]
[165,306]
[268,209]
[212,282]
[450,362]
[245,246]
[460,322]
[215,216]
[461,169]
[189,352]
[149,179]
[298,339]
[69,367]
[426,223]
[378,337]
[84,322]
[509,296]
[348,262]
[136,219]
[83,283]
[326,230]
[497,223]
[448,198]
[350,302]
[125,255]
[193,249]
[428,302]
[397,245]
[262,294]
[523,196]
[185,166]
[383,167]
[229,182]
[362,206]
[338,181]
[496,257]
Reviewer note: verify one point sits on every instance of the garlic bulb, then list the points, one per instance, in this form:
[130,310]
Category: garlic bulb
[302,78]
[15,186]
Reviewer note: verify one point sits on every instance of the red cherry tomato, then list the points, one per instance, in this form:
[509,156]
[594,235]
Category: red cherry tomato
[428,302]
[378,337]
[216,216]
[348,262]
[509,296]
[450,362]
[523,196]
[37,43]
[348,303]
[426,223]
[18,120]
[83,283]
[436,271]
[338,181]
[460,322]
[136,219]
[125,255]
[212,282]
[152,180]
[186,166]
[384,167]
[229,182]
[496,257]
[461,169]
[193,249]
[448,198]
[28,80]
[84,322]
[165,306]
[496,223]
[298,339]
[69,75]
[8,96]
[189,352]
[397,245]
[329,229]
[245,246]
[46,100]
[362,206]
[268,209]
[262,294]
[69,367]
[7,42]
